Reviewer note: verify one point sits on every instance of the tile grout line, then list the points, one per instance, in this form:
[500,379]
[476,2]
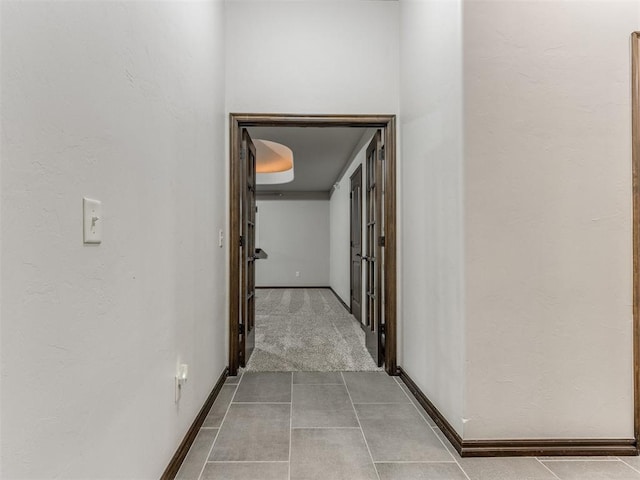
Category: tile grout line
[290,427]
[319,384]
[247,461]
[220,427]
[603,458]
[375,468]
[262,403]
[628,465]
[452,454]
[325,428]
[423,414]
[418,462]
[552,472]
[433,430]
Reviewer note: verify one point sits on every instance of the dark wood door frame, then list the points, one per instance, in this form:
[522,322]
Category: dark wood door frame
[635,129]
[388,124]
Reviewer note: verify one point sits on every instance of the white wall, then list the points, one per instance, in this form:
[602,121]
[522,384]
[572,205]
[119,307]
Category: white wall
[526,319]
[548,218]
[295,235]
[313,56]
[430,196]
[123,102]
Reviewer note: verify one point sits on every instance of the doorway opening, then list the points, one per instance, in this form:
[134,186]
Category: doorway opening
[382,289]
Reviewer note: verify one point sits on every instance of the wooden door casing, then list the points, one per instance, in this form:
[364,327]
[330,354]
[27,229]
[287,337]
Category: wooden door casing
[385,122]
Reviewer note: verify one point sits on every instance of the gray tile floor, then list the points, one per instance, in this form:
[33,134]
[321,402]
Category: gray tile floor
[337,426]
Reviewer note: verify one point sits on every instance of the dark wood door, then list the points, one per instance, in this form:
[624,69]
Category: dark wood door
[374,322]
[246,328]
[355,195]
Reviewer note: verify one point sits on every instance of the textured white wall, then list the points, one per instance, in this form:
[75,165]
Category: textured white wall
[121,101]
[430,197]
[318,56]
[548,218]
[295,235]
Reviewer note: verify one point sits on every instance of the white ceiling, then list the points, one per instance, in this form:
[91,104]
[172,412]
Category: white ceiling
[320,154]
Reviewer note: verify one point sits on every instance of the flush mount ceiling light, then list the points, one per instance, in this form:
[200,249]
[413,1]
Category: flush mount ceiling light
[274,163]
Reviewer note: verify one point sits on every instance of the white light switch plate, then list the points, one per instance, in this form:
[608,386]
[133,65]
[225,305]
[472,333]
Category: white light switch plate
[92,220]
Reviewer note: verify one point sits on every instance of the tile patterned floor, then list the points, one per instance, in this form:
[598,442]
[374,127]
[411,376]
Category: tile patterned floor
[335,426]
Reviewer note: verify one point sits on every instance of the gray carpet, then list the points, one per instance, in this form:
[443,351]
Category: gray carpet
[306,330]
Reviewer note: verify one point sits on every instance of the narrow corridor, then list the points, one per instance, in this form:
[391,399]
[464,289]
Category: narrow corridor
[350,426]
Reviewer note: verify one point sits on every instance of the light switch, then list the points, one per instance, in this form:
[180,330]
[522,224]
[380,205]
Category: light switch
[92,220]
[220,238]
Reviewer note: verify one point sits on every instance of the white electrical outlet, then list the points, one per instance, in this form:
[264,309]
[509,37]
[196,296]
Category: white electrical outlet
[183,371]
[181,379]
[297,274]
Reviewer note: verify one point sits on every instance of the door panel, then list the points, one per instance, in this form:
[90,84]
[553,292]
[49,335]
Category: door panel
[374,320]
[355,195]
[247,247]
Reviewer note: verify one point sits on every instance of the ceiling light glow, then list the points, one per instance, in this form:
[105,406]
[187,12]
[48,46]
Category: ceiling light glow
[274,163]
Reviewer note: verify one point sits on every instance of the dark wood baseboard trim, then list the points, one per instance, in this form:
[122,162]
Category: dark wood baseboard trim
[549,447]
[340,300]
[520,448]
[174,465]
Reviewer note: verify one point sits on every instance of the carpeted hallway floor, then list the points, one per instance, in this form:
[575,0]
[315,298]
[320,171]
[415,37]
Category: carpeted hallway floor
[306,330]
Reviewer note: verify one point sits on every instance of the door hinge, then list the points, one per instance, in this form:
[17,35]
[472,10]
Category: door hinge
[382,154]
[381,241]
[242,240]
[383,328]
[241,329]
[242,153]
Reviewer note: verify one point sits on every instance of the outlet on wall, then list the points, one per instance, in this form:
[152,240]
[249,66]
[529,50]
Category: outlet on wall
[181,379]
[297,274]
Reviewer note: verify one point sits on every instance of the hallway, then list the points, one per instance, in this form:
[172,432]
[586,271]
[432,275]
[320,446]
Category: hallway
[515,232]
[350,426]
